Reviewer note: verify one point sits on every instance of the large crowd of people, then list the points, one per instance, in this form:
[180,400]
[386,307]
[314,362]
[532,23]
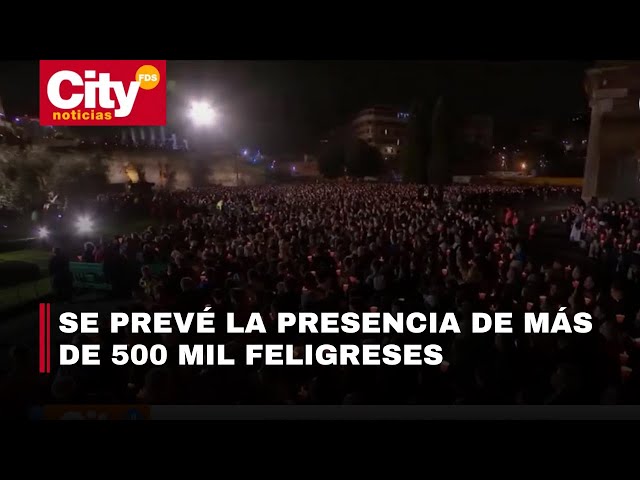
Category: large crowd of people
[373,247]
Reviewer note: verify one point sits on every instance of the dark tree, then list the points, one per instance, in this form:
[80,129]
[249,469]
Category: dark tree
[331,160]
[415,155]
[362,159]
[473,159]
[442,129]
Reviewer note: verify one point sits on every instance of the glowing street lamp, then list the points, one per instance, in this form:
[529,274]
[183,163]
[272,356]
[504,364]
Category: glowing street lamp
[84,225]
[43,232]
[202,114]
[523,166]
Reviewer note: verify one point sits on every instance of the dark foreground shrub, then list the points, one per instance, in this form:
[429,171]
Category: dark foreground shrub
[14,272]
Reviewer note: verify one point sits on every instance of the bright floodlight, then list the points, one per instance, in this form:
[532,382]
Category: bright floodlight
[201,114]
[84,225]
[43,232]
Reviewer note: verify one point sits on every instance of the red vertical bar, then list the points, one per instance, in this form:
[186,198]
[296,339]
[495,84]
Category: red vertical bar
[41,331]
[48,338]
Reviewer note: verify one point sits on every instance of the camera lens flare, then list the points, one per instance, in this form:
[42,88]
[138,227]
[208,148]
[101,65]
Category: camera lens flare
[43,232]
[84,224]
[201,114]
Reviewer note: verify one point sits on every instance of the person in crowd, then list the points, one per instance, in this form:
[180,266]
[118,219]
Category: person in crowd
[61,277]
[385,248]
[89,253]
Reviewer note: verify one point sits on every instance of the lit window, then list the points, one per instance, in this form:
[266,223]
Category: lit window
[386,132]
[398,142]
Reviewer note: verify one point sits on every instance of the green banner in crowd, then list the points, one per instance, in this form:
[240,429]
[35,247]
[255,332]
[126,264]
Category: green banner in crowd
[91,275]
[88,275]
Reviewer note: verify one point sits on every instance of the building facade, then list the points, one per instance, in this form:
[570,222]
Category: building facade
[382,127]
[612,169]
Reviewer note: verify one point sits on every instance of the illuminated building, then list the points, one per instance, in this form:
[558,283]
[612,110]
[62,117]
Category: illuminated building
[382,127]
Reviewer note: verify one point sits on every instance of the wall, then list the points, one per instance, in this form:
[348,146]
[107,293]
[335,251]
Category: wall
[185,169]
[612,167]
[619,153]
[297,169]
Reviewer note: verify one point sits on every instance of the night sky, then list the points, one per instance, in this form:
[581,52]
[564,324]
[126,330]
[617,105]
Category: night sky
[283,106]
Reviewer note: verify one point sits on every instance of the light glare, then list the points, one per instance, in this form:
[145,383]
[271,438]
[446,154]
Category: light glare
[84,225]
[202,114]
[43,232]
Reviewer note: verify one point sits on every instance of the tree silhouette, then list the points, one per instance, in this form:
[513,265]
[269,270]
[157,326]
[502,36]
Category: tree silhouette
[331,159]
[347,154]
[362,159]
[415,156]
[26,176]
[440,158]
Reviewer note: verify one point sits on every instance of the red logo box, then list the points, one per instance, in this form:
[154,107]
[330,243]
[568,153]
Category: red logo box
[103,92]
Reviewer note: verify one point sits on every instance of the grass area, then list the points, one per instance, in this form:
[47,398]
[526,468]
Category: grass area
[31,291]
[24,293]
[27,291]
[38,256]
